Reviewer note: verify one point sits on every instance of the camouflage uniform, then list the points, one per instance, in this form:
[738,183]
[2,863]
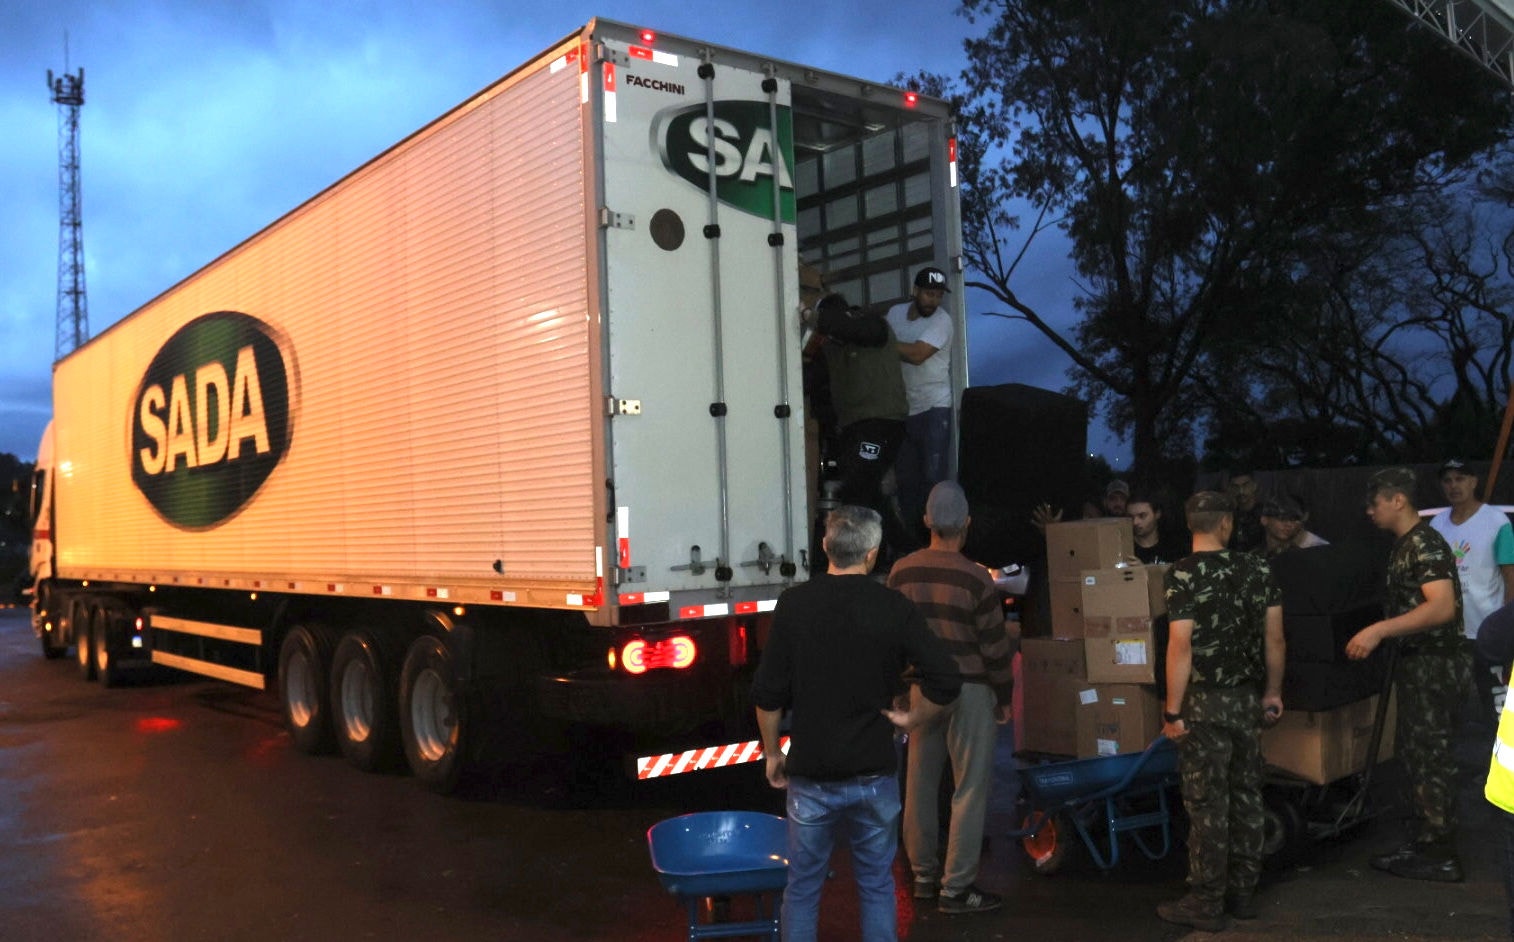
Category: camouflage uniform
[1434,673]
[1226,594]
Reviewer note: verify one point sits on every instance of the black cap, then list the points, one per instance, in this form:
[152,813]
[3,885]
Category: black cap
[932,278]
[1455,464]
[1282,507]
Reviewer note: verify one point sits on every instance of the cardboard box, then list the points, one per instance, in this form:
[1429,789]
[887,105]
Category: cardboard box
[1077,545]
[1120,650]
[1121,591]
[1116,718]
[1325,746]
[1051,677]
[1119,606]
[1065,601]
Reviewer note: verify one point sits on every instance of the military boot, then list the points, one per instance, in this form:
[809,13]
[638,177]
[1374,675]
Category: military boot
[1436,862]
[1206,915]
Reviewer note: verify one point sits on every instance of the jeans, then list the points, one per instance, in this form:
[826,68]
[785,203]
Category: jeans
[923,462]
[866,810]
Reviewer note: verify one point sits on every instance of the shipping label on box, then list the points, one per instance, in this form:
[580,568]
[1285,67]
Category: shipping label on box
[1077,545]
[1120,650]
[1324,746]
[1117,718]
[1051,677]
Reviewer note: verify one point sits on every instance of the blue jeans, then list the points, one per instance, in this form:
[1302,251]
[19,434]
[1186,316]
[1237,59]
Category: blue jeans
[866,811]
[924,461]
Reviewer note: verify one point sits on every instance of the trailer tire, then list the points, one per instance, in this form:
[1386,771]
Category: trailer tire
[50,649]
[363,711]
[82,621]
[434,720]
[105,638]
[304,663]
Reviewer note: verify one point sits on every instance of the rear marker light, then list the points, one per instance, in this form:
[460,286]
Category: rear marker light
[639,656]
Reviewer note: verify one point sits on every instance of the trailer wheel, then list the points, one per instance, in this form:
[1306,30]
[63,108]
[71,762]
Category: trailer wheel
[105,640]
[1049,847]
[433,715]
[51,629]
[84,645]
[303,661]
[363,712]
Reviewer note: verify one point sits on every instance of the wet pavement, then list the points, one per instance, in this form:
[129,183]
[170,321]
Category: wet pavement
[178,809]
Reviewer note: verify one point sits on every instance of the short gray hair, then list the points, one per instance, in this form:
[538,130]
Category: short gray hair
[851,532]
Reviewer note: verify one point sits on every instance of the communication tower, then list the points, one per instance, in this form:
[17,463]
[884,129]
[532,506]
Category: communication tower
[73,307]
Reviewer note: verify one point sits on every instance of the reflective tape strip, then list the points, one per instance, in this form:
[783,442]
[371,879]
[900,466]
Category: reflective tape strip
[652,55]
[698,760]
[951,161]
[644,598]
[609,93]
[438,593]
[383,590]
[623,535]
[1503,754]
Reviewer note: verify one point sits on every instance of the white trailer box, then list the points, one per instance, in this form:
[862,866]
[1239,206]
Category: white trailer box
[543,354]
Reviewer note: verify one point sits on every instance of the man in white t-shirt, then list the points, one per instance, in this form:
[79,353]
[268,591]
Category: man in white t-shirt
[1483,542]
[924,332]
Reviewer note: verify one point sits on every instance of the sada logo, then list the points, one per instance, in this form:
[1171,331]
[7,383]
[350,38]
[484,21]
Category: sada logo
[748,154]
[211,419]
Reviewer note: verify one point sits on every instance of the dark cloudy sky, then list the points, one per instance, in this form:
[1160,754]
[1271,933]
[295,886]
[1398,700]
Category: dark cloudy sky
[204,121]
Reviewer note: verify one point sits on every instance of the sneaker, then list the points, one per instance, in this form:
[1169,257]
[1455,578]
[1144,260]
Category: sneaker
[1427,865]
[1241,905]
[970,900]
[926,889]
[1384,861]
[1207,915]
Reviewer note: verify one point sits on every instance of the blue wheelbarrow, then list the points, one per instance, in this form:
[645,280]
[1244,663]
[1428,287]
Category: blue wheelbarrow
[706,858]
[1111,795]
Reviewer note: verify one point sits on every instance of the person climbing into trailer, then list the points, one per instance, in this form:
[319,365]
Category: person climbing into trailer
[1225,659]
[1422,606]
[868,399]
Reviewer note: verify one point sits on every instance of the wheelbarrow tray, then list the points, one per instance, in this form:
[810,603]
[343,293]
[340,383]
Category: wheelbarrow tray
[1080,780]
[720,853]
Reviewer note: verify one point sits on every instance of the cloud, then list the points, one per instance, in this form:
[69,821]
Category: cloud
[204,122]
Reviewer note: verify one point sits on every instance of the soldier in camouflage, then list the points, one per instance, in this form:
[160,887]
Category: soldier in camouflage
[1224,679]
[1433,674]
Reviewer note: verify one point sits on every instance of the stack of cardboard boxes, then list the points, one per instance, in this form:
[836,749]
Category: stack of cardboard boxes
[1089,688]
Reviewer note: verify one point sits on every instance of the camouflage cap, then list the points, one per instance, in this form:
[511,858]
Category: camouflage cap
[1391,479]
[1209,502]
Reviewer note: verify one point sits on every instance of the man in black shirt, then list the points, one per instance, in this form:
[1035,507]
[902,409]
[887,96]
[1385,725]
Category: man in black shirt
[838,647]
[1154,543]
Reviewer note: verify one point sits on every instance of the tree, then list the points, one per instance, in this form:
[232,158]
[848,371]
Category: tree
[1199,155]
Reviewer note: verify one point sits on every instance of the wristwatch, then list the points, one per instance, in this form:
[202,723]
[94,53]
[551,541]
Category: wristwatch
[1171,717]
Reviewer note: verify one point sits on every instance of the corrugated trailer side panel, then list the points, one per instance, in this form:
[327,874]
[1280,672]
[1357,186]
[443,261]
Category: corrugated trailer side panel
[432,309]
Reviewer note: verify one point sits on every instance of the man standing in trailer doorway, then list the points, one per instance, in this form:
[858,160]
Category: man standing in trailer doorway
[924,332]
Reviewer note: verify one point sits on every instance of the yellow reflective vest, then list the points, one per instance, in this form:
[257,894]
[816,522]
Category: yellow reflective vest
[1500,787]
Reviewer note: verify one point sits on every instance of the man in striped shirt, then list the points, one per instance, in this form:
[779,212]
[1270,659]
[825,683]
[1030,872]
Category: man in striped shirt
[961,605]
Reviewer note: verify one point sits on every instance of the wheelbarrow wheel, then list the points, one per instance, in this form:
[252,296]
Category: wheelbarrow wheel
[1050,847]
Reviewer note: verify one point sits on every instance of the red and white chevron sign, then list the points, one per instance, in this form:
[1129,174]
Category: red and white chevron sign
[697,760]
